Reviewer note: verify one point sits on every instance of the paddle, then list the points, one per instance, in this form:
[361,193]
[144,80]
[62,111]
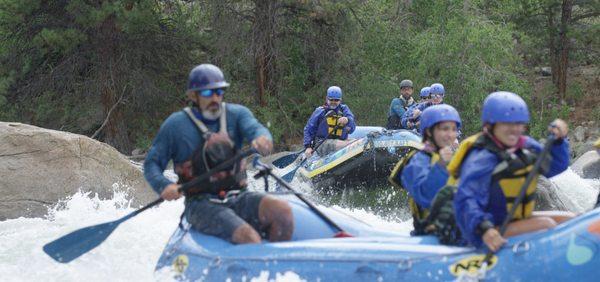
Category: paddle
[81,241]
[532,174]
[290,175]
[265,169]
[286,160]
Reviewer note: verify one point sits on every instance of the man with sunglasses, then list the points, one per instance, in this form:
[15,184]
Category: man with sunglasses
[400,105]
[411,118]
[199,138]
[328,127]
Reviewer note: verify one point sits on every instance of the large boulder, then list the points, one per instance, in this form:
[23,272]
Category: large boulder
[39,166]
[549,197]
[588,165]
[566,192]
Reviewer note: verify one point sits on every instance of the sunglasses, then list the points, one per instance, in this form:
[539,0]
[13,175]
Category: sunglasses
[206,93]
[437,96]
[334,100]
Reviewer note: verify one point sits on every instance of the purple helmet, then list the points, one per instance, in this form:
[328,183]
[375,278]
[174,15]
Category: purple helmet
[206,76]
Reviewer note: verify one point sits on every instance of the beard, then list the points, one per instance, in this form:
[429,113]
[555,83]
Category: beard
[212,112]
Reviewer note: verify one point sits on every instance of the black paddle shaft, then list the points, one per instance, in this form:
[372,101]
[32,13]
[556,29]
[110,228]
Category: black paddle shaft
[532,174]
[265,169]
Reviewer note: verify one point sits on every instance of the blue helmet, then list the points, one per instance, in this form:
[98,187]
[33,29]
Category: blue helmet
[206,76]
[437,88]
[436,114]
[334,92]
[504,106]
[425,91]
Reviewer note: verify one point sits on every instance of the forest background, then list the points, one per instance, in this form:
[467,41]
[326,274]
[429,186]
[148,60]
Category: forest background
[115,69]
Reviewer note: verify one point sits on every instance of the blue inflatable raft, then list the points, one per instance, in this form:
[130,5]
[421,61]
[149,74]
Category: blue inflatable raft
[569,252]
[369,158]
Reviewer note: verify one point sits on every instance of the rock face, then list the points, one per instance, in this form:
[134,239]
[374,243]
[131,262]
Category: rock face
[588,165]
[548,197]
[38,167]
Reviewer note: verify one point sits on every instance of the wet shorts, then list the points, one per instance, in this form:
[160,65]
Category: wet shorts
[221,219]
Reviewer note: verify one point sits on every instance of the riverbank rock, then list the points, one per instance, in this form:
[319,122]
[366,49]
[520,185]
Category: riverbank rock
[588,165]
[548,197]
[39,166]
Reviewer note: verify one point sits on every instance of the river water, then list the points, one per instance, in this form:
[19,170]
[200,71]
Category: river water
[133,249]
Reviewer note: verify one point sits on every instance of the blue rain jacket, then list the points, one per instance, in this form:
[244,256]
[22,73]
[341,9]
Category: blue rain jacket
[317,124]
[473,202]
[423,179]
[408,115]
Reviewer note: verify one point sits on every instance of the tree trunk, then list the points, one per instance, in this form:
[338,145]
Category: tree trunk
[552,48]
[115,132]
[264,30]
[563,60]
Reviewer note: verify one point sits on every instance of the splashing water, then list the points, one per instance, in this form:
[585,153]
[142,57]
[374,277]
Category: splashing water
[132,251]
[577,193]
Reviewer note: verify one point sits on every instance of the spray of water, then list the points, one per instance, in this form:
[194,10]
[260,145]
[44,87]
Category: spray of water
[131,252]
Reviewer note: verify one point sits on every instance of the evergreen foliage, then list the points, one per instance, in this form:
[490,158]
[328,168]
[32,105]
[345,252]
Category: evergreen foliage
[69,64]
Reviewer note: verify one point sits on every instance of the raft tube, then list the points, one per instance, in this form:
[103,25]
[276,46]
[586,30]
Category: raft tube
[569,252]
[370,158]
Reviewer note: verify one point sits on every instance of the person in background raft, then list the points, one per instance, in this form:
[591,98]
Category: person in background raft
[197,139]
[491,167]
[424,95]
[400,104]
[423,172]
[411,118]
[329,125]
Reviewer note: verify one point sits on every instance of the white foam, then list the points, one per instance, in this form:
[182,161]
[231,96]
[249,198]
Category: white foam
[578,194]
[131,252]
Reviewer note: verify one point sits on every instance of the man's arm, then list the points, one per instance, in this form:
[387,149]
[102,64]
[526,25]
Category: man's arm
[397,107]
[158,157]
[351,125]
[311,127]
[251,128]
[423,180]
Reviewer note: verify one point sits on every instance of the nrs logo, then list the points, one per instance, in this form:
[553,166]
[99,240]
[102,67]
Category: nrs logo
[181,263]
[471,265]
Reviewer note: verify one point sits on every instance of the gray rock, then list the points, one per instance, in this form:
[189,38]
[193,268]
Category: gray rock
[579,149]
[548,197]
[137,151]
[39,166]
[588,165]
[546,71]
[579,133]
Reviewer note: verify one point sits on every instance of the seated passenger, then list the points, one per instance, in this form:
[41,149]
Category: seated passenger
[423,173]
[491,167]
[425,94]
[199,138]
[411,118]
[329,125]
[400,104]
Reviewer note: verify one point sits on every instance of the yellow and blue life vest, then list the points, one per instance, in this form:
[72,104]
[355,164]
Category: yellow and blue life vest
[507,178]
[419,214]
